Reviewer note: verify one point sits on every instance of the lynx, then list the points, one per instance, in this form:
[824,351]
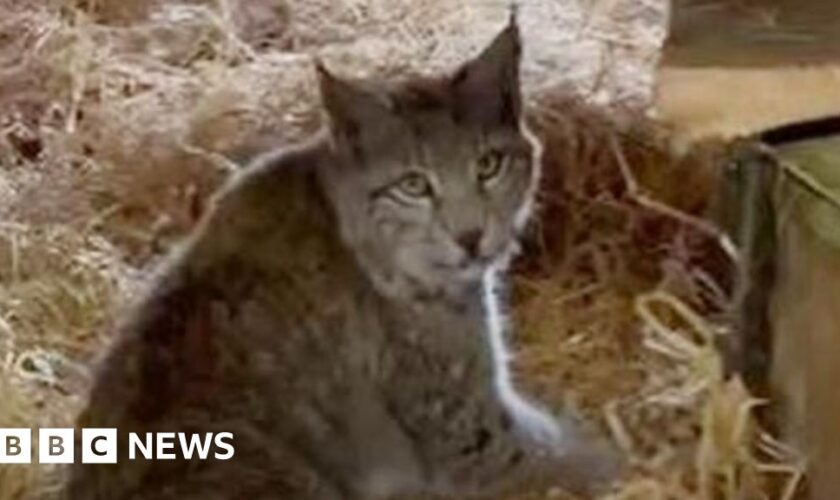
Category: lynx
[338,311]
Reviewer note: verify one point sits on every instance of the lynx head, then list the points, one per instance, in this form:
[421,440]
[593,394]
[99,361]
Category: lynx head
[433,178]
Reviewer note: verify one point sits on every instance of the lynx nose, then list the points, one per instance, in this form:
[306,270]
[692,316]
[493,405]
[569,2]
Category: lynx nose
[470,241]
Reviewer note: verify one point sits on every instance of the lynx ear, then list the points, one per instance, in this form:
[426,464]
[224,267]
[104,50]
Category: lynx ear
[487,88]
[348,104]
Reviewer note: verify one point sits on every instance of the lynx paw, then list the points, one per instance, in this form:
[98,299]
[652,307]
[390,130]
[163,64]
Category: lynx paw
[585,464]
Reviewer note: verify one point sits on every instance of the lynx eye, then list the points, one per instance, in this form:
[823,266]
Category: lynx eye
[490,166]
[414,185]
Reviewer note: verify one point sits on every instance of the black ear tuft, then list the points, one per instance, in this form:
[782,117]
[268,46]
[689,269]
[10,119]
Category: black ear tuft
[487,87]
[513,16]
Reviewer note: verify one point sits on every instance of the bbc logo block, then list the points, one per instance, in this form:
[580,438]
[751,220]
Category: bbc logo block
[99,446]
[15,446]
[56,446]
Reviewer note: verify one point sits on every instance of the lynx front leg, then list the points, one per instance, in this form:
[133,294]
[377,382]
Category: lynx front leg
[577,461]
[560,451]
[480,448]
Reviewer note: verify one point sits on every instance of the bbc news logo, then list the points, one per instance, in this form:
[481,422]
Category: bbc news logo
[100,446]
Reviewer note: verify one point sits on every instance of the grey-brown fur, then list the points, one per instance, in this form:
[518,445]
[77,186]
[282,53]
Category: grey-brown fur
[344,329]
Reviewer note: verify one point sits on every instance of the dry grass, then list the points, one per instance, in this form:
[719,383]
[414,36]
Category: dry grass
[115,119]
[623,306]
